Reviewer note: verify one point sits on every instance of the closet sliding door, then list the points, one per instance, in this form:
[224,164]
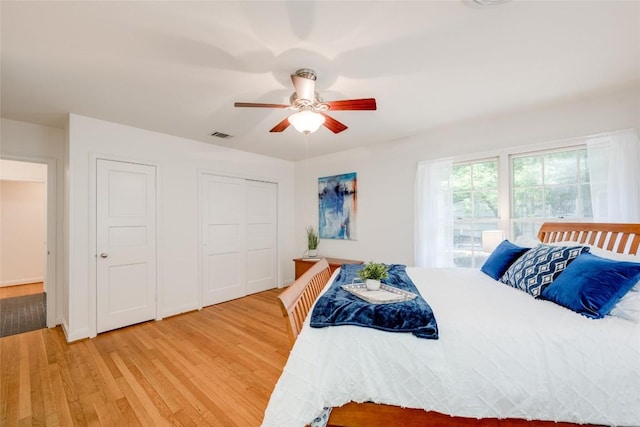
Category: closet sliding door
[238,225]
[261,236]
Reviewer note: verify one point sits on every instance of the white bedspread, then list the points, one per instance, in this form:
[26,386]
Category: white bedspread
[501,354]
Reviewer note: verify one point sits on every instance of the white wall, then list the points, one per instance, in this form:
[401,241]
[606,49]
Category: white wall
[386,172]
[22,171]
[22,227]
[41,144]
[178,163]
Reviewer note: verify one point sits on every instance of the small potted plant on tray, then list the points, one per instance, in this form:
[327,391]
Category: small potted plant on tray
[372,273]
[312,242]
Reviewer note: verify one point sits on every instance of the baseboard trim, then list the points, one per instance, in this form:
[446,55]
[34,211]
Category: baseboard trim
[76,335]
[23,281]
[186,308]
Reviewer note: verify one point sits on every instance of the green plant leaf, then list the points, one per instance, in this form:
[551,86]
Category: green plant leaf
[373,270]
[312,238]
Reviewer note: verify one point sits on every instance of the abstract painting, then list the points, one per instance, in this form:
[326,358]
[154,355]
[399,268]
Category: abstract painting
[337,203]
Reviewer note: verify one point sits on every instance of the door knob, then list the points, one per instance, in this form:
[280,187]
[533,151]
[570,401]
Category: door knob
[103,255]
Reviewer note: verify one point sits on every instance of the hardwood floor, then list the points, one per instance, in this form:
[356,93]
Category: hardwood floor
[214,367]
[21,290]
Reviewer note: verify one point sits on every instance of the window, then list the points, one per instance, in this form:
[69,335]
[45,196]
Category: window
[590,178]
[549,186]
[545,186]
[475,209]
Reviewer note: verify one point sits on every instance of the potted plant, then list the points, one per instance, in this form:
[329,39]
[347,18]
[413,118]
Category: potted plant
[372,273]
[312,241]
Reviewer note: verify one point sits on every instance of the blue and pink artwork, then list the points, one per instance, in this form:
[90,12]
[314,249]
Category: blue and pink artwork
[337,203]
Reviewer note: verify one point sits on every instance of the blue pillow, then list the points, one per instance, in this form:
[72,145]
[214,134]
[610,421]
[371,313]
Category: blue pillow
[592,285]
[539,266]
[501,258]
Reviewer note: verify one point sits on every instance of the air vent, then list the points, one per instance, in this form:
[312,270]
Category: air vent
[490,2]
[221,135]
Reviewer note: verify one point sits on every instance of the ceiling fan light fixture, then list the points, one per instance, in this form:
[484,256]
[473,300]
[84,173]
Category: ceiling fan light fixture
[306,121]
[312,112]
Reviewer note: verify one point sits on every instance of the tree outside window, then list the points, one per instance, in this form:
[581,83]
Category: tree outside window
[475,209]
[545,186]
[549,186]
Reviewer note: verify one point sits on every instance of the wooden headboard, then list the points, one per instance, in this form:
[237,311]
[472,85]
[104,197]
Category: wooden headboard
[297,299]
[621,238]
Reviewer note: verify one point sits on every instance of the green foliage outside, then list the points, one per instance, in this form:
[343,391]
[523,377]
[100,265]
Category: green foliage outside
[475,190]
[544,186]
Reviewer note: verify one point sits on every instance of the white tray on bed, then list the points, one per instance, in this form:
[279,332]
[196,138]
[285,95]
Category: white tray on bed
[385,295]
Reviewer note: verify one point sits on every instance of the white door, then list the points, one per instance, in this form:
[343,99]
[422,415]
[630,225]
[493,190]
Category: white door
[126,244]
[239,242]
[261,236]
[223,239]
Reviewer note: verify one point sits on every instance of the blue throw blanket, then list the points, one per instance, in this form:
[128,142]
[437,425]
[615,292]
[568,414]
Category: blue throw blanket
[339,307]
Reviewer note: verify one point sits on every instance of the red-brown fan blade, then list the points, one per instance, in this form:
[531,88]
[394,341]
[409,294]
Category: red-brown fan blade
[254,104]
[281,126]
[352,104]
[332,124]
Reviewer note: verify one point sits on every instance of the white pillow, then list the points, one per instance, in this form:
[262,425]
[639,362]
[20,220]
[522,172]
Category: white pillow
[629,305]
[603,253]
[527,241]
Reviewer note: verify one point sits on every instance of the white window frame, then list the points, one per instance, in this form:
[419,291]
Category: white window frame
[539,220]
[473,221]
[505,187]
[620,203]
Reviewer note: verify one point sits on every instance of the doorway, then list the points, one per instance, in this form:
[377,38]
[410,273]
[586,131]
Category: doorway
[23,271]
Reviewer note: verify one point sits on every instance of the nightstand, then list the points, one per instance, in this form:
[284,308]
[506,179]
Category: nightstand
[303,264]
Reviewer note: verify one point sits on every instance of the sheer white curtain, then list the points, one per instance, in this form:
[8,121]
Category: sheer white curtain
[433,214]
[613,162]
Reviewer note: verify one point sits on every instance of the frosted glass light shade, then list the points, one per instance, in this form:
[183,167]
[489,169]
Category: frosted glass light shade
[306,121]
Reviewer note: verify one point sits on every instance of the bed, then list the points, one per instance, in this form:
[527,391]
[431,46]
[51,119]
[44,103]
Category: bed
[502,357]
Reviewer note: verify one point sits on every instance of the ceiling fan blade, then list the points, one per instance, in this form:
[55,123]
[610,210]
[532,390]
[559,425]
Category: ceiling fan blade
[259,105]
[332,124]
[281,126]
[305,88]
[352,104]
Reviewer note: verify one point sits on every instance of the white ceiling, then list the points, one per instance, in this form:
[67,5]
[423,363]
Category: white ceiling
[177,67]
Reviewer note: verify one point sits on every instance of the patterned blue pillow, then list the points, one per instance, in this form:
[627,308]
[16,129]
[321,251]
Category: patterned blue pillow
[536,269]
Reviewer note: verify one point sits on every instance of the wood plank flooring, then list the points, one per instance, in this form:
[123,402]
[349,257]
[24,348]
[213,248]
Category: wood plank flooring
[21,290]
[214,367]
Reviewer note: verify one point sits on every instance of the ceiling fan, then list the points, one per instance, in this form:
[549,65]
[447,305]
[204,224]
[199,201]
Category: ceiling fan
[311,110]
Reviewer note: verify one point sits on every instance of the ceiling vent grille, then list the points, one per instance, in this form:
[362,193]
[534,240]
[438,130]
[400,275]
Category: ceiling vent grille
[490,2]
[221,135]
